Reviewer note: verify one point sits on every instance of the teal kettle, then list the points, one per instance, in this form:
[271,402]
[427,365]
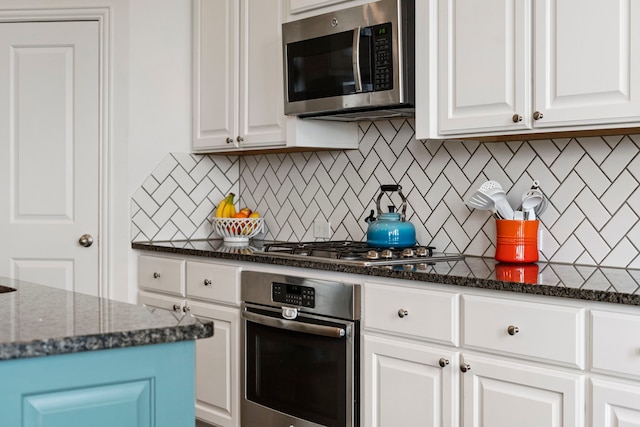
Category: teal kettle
[390,229]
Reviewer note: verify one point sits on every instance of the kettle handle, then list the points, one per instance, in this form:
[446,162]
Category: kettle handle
[393,188]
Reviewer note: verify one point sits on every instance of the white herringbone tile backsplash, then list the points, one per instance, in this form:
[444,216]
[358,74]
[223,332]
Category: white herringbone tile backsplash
[592,185]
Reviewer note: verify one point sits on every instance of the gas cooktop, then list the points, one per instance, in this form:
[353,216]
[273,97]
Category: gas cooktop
[358,253]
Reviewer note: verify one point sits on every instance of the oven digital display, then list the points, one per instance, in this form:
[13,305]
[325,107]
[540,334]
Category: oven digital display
[302,296]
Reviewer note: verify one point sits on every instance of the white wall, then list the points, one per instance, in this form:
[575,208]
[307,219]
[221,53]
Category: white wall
[159,97]
[159,84]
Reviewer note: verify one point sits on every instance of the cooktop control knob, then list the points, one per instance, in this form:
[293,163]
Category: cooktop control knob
[422,252]
[373,254]
[408,253]
[386,254]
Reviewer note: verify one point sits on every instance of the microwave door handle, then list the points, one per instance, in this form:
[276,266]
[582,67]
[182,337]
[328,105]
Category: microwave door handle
[306,328]
[355,59]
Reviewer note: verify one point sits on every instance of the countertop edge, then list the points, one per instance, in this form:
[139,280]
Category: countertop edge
[105,341]
[446,279]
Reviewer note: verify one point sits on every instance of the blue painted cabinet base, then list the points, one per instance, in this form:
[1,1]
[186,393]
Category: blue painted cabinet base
[142,386]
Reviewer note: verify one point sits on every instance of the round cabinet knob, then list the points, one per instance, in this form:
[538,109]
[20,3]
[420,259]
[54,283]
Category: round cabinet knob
[186,309]
[176,307]
[207,282]
[465,367]
[443,362]
[156,275]
[229,140]
[537,115]
[86,240]
[516,118]
[402,313]
[240,139]
[512,330]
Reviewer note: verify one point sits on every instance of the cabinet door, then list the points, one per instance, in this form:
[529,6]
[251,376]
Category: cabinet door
[615,404]
[142,386]
[484,65]
[587,62]
[217,366]
[261,106]
[499,393]
[404,385]
[215,73]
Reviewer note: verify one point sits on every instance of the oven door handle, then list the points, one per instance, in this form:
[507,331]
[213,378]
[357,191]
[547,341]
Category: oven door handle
[306,328]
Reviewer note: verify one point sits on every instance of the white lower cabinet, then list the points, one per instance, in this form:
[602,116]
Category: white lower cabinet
[407,384]
[436,358]
[212,292]
[504,393]
[614,404]
[217,367]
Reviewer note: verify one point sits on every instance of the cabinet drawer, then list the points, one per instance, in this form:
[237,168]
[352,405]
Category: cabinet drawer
[162,275]
[430,315]
[615,343]
[530,330]
[213,282]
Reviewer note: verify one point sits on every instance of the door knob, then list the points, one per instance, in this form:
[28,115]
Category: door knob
[86,240]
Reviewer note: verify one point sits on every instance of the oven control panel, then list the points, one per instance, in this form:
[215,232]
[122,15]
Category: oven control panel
[302,296]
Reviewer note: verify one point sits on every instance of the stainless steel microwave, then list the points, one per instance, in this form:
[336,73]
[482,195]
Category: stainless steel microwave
[352,64]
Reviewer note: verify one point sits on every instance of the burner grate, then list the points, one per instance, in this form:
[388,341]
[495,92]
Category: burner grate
[337,249]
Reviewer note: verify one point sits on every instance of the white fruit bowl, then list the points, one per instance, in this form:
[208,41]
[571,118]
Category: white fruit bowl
[238,229]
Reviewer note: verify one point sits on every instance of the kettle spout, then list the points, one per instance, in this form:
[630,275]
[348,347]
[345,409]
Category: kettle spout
[370,218]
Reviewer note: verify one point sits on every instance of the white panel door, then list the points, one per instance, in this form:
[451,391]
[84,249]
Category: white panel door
[217,366]
[49,152]
[407,384]
[500,393]
[615,404]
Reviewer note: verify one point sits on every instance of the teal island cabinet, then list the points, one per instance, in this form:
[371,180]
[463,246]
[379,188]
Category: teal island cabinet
[73,360]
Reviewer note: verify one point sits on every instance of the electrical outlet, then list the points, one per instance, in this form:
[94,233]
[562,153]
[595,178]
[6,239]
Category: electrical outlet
[322,229]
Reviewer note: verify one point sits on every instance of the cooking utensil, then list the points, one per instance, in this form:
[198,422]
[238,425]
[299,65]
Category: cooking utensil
[481,201]
[540,208]
[531,199]
[390,229]
[494,190]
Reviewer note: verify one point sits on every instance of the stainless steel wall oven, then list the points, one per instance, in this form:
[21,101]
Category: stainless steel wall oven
[300,352]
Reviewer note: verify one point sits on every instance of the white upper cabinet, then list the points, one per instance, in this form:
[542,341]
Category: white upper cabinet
[587,62]
[483,65]
[238,83]
[521,67]
[238,89]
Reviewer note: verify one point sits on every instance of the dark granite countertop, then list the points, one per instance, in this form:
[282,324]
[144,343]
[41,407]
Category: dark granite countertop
[38,320]
[613,285]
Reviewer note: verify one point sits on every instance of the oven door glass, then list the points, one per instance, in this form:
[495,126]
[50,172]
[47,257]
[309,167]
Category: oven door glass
[299,374]
[323,67]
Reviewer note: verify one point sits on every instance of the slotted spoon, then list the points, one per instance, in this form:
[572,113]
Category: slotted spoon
[494,190]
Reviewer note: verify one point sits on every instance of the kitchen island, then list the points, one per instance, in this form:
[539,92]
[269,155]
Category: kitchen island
[69,359]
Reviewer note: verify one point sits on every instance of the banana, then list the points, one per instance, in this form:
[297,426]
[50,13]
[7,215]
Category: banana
[225,208]
[229,209]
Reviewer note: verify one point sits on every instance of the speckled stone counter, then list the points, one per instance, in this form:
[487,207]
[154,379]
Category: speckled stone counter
[613,285]
[38,320]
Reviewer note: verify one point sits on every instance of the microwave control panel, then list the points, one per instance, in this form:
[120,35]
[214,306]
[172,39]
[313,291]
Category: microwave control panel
[302,296]
[383,57]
